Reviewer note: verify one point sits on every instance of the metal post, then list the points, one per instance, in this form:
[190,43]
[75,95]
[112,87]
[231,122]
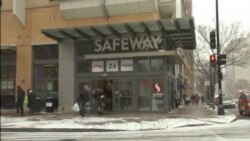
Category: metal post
[220,106]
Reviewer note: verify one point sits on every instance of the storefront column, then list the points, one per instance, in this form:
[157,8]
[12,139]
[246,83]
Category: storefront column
[66,76]
[24,66]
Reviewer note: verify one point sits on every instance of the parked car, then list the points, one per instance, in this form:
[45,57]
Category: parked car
[228,102]
[244,103]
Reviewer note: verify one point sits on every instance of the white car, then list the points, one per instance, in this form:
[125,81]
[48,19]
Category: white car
[228,102]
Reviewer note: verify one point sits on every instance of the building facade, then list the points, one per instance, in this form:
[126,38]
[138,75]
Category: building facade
[135,51]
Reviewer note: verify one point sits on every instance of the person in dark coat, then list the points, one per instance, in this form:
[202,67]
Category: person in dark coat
[31,100]
[20,100]
[83,99]
[99,100]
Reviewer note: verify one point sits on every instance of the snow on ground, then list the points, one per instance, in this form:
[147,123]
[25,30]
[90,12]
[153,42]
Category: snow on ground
[111,123]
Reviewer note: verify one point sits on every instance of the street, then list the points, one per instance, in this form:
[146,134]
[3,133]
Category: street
[235,131]
[235,111]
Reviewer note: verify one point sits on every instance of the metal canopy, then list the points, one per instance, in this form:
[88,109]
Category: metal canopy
[181,32]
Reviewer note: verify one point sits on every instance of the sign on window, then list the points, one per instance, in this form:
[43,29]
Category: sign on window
[97,66]
[127,65]
[10,84]
[4,85]
[112,66]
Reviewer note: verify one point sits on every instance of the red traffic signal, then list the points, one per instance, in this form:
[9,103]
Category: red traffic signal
[212,58]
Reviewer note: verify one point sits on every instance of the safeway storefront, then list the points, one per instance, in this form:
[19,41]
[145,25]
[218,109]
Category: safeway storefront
[133,63]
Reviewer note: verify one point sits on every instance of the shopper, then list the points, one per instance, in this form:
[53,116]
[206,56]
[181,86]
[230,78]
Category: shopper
[83,99]
[20,100]
[99,101]
[31,100]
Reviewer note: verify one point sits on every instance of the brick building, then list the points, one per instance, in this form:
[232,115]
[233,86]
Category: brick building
[137,49]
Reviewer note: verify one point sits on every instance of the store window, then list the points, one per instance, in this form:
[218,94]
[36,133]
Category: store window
[84,66]
[46,51]
[156,64]
[143,65]
[45,71]
[8,78]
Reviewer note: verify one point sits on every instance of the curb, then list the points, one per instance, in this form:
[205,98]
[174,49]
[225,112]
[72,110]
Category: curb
[56,130]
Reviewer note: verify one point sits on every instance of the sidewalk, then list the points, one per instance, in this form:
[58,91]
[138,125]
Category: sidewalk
[72,122]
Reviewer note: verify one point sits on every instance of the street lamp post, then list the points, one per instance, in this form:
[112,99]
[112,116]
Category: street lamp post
[220,106]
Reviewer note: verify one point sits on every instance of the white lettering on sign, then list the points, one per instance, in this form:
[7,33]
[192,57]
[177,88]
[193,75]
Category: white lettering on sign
[112,65]
[97,66]
[139,43]
[127,65]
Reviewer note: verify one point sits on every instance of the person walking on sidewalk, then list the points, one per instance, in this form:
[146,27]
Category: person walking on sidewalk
[20,100]
[177,99]
[31,100]
[99,101]
[83,99]
[197,99]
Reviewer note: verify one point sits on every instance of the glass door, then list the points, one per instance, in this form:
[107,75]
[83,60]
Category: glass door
[157,95]
[144,95]
[123,95]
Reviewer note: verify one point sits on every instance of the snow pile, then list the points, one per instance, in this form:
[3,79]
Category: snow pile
[110,123]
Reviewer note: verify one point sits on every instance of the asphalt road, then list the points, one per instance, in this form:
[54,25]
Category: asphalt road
[236,131]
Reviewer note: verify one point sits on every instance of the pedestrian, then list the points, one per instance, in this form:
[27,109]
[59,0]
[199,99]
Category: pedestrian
[31,100]
[20,100]
[197,99]
[186,99]
[177,99]
[83,100]
[202,99]
[193,99]
[99,101]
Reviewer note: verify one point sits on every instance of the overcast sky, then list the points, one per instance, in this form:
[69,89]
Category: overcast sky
[229,11]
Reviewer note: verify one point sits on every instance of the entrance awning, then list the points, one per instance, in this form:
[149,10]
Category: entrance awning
[180,32]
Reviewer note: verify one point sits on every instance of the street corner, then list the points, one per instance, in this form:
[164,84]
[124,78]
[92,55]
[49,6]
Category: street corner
[220,119]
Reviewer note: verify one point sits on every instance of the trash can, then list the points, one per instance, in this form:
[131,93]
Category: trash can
[37,105]
[49,105]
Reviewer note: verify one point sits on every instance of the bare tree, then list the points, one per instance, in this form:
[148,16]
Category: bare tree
[232,39]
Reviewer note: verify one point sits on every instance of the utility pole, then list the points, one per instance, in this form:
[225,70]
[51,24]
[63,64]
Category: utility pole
[220,107]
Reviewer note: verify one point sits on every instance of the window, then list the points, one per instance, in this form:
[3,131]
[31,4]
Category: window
[46,71]
[143,65]
[45,80]
[8,75]
[157,64]
[46,52]
[84,66]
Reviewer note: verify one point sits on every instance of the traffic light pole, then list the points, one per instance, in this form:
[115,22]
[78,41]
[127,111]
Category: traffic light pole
[220,106]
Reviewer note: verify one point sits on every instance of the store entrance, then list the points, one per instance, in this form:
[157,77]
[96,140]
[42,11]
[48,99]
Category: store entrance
[118,93]
[105,87]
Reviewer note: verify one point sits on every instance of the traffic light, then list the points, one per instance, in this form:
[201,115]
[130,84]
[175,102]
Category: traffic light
[212,40]
[221,59]
[212,58]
